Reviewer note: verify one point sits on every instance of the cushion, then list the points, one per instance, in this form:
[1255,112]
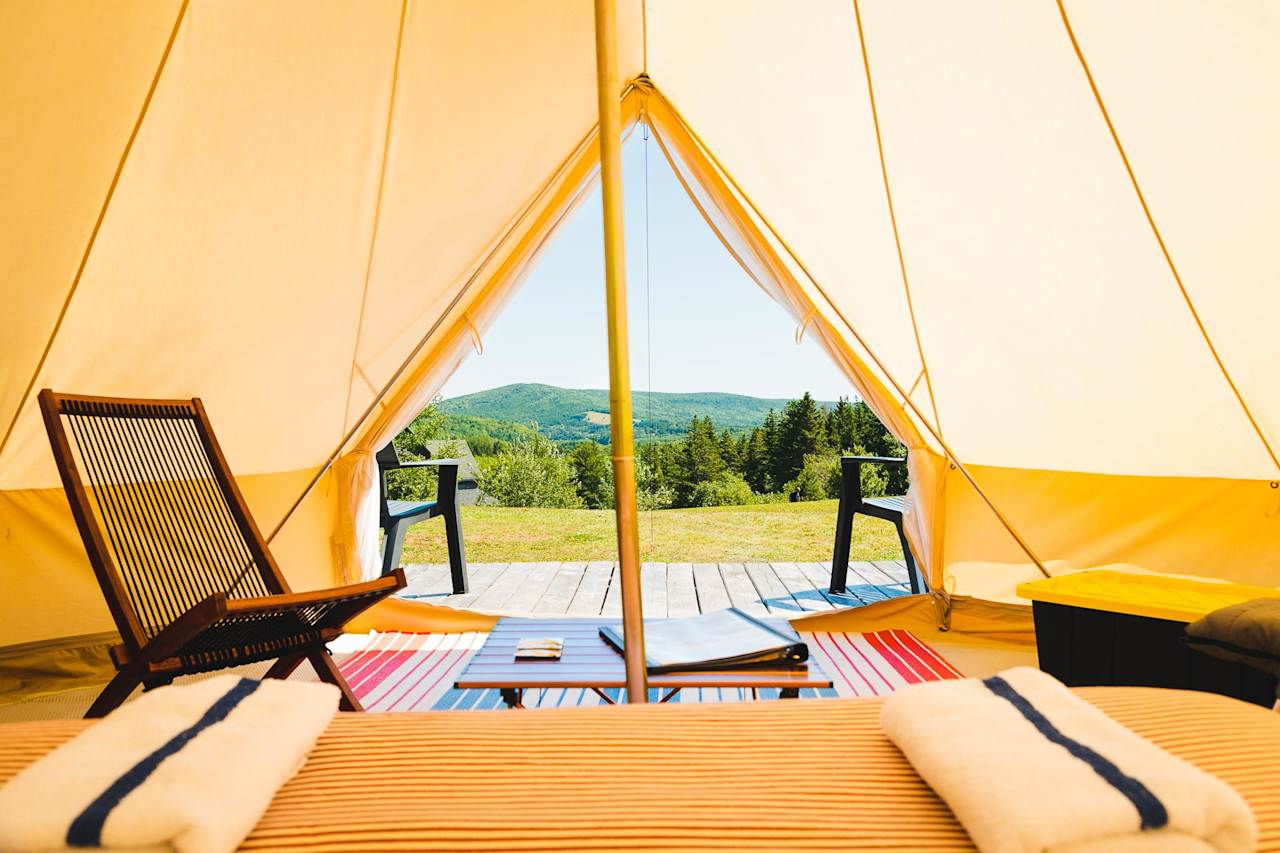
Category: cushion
[1248,632]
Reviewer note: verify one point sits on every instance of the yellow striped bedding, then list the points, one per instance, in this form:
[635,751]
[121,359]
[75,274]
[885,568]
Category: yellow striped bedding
[768,775]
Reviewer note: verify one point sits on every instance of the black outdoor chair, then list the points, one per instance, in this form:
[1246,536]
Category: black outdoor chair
[851,503]
[397,516]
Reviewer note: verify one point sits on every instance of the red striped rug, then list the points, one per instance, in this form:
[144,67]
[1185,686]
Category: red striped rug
[877,663]
[416,672]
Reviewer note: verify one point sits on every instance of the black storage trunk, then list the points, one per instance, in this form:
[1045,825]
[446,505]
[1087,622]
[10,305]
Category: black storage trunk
[1082,647]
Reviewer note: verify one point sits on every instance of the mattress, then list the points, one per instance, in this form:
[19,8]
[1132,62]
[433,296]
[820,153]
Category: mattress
[770,775]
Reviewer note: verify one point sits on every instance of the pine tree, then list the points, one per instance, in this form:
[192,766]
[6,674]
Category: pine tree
[702,459]
[594,473]
[730,452]
[803,431]
[868,432]
[755,461]
[842,426]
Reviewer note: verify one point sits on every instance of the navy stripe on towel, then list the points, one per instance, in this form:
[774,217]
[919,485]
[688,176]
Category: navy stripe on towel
[1150,809]
[86,829]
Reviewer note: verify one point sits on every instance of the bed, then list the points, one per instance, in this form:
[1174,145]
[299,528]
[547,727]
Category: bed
[769,775]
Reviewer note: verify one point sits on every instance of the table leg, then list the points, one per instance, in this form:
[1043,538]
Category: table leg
[669,696]
[789,693]
[602,695]
[513,696]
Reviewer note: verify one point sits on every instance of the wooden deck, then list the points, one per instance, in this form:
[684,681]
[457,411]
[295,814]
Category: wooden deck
[670,589]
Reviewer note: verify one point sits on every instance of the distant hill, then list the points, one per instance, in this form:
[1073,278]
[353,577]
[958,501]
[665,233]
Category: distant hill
[566,414]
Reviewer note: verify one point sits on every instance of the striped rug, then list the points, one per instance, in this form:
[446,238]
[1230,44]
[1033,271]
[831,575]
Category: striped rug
[877,663]
[415,672]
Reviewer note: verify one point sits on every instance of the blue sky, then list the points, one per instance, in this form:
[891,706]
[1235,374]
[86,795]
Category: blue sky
[709,327]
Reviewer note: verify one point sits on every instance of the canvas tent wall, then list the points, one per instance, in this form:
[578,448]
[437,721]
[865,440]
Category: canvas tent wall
[303,214]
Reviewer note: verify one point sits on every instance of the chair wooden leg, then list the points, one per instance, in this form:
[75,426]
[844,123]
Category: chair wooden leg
[117,690]
[457,557]
[328,671]
[285,666]
[393,546]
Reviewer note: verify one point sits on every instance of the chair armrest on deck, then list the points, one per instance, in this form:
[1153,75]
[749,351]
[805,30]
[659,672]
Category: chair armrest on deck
[422,463]
[885,460]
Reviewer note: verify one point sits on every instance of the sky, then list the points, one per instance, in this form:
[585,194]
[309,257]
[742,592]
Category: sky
[698,322]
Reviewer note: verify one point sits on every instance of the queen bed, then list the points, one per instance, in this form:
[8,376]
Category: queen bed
[776,775]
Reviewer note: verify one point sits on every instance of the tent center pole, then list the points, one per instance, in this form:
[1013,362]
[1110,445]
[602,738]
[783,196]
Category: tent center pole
[620,424]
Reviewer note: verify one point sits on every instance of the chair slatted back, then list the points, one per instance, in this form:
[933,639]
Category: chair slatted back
[161,516]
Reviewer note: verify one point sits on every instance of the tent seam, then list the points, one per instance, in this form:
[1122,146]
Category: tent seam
[449,309]
[951,456]
[893,217]
[97,225]
[1155,230]
[377,211]
[644,37]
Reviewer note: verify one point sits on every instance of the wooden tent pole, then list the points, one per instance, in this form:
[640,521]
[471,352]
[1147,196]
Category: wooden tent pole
[620,426]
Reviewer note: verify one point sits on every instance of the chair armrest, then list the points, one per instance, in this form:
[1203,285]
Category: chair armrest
[379,586]
[885,460]
[422,463]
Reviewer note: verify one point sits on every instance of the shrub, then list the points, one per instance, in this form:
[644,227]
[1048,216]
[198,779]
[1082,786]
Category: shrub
[727,489]
[531,472]
[808,485]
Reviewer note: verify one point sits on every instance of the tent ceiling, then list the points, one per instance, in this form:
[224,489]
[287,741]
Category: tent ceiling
[270,203]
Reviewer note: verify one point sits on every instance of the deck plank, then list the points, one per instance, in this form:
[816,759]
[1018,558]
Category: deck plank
[860,591]
[653,586]
[893,569]
[532,584]
[427,580]
[669,589]
[560,592]
[742,592]
[503,588]
[803,590]
[612,605]
[772,592]
[480,576]
[589,599]
[682,596]
[710,588]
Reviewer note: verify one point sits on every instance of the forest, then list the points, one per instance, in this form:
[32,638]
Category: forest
[793,455]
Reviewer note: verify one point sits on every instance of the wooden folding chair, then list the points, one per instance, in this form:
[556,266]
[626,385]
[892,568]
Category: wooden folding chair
[186,573]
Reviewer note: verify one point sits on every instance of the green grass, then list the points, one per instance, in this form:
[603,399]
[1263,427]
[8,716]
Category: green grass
[782,532]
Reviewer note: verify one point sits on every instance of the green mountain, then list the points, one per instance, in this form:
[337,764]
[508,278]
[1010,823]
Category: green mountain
[567,414]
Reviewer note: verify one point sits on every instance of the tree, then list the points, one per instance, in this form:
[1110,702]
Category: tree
[755,461]
[593,471]
[841,426]
[651,492]
[531,472]
[702,460]
[419,484]
[802,431]
[730,451]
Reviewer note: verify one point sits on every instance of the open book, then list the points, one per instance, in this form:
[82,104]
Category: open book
[724,639]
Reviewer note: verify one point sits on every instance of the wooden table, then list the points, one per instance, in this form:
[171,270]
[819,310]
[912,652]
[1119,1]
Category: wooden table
[588,662]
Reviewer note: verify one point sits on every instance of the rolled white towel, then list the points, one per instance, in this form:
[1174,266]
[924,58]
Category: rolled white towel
[188,768]
[1026,765]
